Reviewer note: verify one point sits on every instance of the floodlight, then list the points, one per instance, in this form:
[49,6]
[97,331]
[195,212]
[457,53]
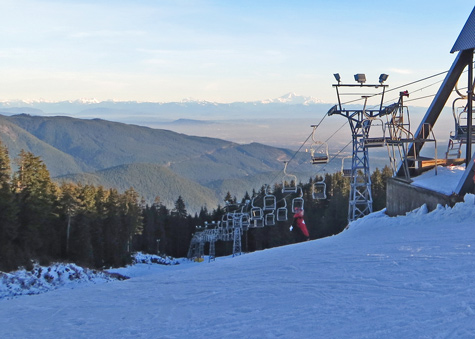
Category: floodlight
[382,78]
[361,78]
[337,77]
[332,110]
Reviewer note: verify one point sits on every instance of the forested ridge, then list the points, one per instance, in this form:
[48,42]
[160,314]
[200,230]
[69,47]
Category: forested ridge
[44,221]
[118,155]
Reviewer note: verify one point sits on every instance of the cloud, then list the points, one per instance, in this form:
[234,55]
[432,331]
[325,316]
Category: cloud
[401,71]
[107,34]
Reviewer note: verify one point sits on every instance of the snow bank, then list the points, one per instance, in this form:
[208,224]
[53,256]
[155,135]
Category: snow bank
[43,279]
[445,181]
[143,258]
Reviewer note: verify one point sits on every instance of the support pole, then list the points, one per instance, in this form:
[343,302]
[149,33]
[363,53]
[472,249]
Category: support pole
[469,109]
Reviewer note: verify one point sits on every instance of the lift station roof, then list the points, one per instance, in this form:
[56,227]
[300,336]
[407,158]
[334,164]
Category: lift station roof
[466,38]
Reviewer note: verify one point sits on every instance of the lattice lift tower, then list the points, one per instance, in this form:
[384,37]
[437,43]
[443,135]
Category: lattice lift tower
[365,124]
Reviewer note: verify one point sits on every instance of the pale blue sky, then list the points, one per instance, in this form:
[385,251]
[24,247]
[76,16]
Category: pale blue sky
[221,51]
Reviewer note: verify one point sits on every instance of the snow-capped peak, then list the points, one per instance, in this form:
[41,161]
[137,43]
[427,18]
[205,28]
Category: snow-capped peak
[293,98]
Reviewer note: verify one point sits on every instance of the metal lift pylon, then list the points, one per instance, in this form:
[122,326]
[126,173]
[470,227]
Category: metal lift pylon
[360,120]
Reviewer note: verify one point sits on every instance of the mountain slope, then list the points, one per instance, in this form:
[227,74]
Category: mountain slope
[74,146]
[17,139]
[151,181]
[101,144]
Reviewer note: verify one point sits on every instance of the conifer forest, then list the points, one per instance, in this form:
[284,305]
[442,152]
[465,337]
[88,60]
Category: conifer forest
[45,221]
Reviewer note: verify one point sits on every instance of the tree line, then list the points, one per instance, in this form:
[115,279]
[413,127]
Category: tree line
[44,221]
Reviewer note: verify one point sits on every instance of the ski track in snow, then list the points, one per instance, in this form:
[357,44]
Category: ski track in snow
[405,277]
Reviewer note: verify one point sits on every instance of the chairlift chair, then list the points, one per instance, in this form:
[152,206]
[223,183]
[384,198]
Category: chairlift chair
[345,171]
[282,212]
[256,212]
[270,219]
[298,202]
[258,223]
[372,138]
[270,201]
[318,150]
[461,123]
[230,220]
[224,221]
[289,181]
[245,221]
[319,190]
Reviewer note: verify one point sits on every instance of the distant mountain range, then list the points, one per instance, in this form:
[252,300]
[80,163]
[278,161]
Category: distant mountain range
[186,109]
[155,162]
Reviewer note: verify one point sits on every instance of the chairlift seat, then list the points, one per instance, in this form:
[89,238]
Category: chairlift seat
[316,160]
[346,172]
[297,203]
[282,214]
[245,220]
[319,190]
[289,189]
[270,202]
[270,219]
[259,223]
[319,195]
[374,142]
[256,213]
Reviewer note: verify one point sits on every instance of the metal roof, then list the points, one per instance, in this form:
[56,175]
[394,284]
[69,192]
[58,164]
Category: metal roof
[466,39]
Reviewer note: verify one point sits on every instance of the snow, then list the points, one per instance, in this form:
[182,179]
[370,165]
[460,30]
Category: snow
[444,180]
[409,276]
[43,279]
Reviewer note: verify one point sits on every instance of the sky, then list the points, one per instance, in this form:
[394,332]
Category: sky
[219,51]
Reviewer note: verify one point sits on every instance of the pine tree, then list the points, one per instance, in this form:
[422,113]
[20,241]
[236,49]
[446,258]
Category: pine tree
[36,198]
[180,208]
[9,251]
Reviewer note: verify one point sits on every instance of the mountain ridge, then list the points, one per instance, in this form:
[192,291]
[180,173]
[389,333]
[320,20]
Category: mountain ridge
[82,148]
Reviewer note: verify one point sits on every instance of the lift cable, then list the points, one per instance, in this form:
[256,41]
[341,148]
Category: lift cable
[325,115]
[303,144]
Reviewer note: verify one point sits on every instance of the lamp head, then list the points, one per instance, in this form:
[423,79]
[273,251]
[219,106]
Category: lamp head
[361,78]
[382,78]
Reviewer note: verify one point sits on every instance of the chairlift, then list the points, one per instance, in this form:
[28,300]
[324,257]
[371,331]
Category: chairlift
[282,212]
[256,212]
[373,137]
[319,190]
[289,181]
[270,201]
[270,219]
[224,221]
[298,202]
[461,122]
[230,220]
[258,223]
[345,171]
[318,150]
[243,220]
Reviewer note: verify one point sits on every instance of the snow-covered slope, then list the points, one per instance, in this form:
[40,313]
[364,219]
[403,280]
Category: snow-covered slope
[405,277]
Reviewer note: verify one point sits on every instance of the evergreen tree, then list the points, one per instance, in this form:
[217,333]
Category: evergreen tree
[9,250]
[111,227]
[228,198]
[36,197]
[180,208]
